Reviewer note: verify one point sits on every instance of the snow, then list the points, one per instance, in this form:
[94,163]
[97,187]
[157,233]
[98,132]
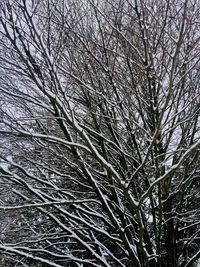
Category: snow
[46,194]
[4,166]
[28,255]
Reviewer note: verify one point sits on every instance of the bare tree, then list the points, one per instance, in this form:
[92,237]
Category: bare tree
[100,108]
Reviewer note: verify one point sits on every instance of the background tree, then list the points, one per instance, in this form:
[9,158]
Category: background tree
[100,107]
